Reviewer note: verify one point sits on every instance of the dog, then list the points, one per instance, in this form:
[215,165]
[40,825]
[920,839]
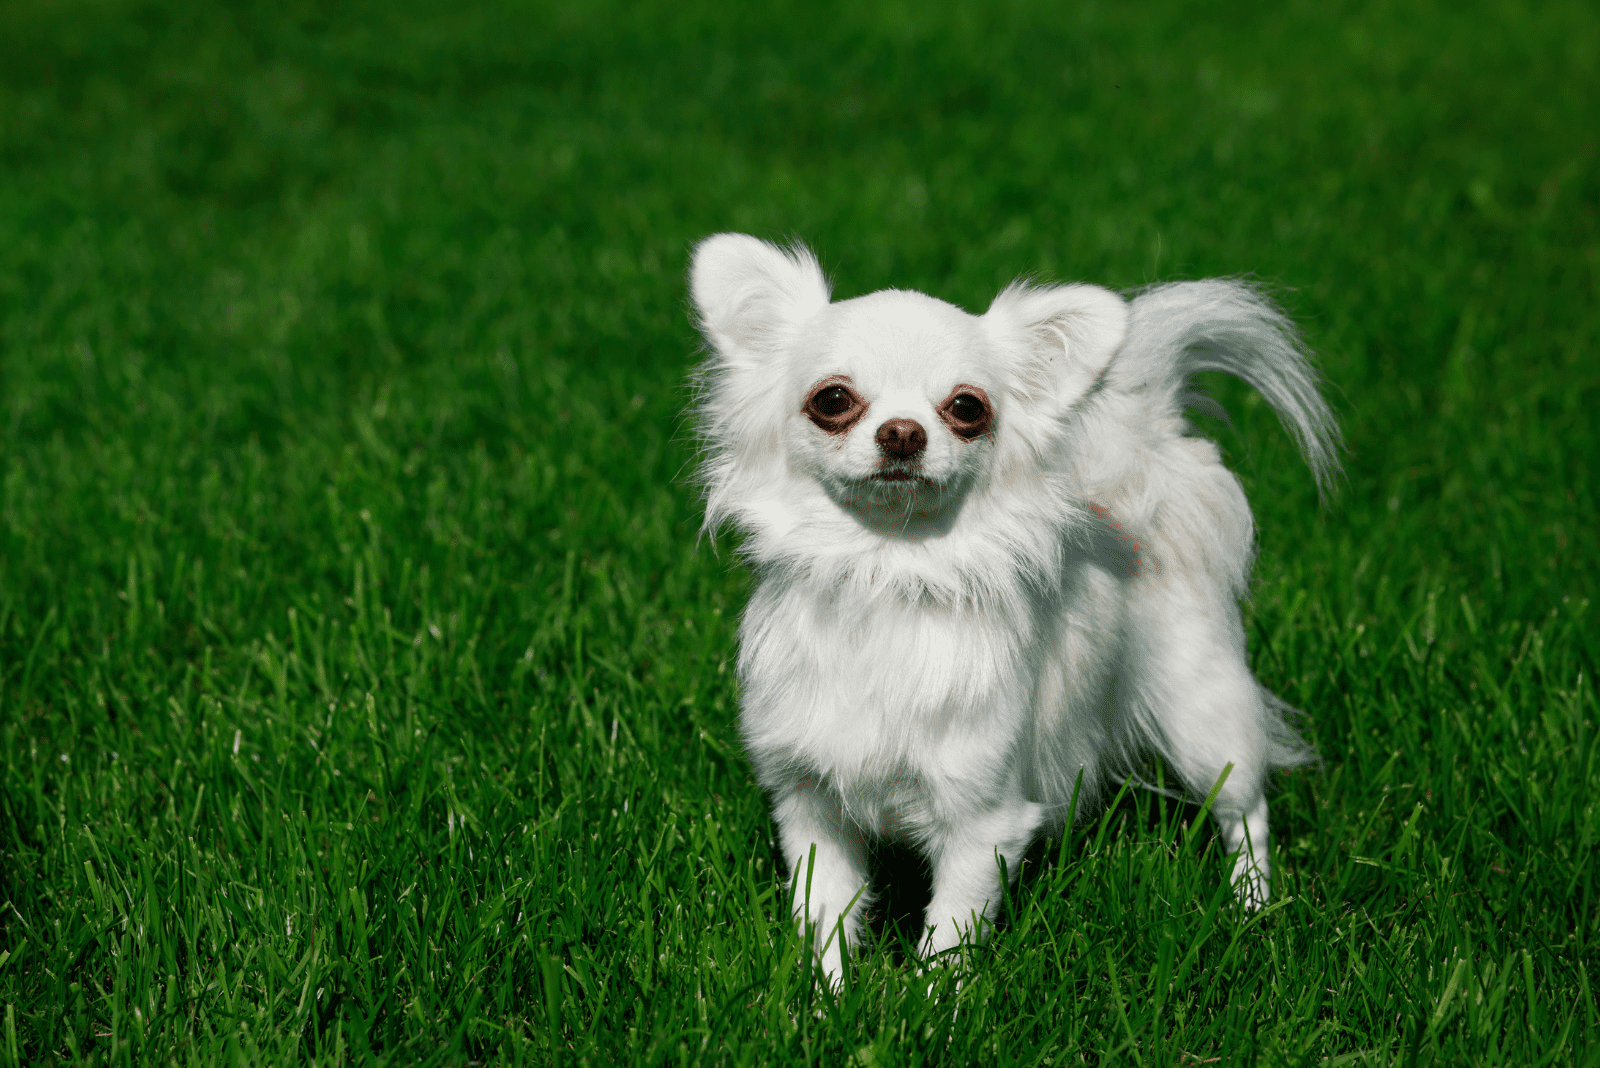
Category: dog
[996,566]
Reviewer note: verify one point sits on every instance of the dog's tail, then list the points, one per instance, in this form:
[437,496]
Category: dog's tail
[1179,329]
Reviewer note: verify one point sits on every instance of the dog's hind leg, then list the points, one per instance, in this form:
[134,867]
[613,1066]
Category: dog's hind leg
[1214,734]
[827,857]
[1204,711]
[1246,836]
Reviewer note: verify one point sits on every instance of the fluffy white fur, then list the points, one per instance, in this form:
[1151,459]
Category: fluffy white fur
[943,658]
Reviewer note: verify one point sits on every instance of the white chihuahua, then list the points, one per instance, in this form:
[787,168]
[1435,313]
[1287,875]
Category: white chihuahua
[995,566]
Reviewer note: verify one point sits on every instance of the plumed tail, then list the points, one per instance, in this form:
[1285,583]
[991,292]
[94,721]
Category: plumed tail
[1179,329]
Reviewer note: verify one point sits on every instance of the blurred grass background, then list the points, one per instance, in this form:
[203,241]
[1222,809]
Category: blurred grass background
[364,684]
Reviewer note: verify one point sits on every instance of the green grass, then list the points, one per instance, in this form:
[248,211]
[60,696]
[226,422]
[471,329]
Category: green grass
[364,684]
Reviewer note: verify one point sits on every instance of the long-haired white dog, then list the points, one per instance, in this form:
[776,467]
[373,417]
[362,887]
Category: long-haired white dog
[995,566]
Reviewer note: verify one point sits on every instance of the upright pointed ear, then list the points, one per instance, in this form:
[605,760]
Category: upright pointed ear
[751,295]
[1062,336]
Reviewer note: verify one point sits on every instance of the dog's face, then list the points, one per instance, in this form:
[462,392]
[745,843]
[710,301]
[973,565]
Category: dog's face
[896,404]
[893,402]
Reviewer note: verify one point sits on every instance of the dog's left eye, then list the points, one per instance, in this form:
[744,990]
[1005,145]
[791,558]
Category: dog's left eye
[967,412]
[967,408]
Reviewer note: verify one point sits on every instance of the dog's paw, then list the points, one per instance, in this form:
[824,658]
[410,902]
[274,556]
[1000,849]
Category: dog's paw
[831,963]
[1252,883]
[943,978]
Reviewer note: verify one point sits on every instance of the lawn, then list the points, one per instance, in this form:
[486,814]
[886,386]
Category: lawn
[365,680]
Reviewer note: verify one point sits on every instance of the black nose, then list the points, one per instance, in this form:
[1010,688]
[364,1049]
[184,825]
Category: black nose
[902,439]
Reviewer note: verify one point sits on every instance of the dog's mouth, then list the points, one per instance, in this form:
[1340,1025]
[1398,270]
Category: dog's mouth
[901,476]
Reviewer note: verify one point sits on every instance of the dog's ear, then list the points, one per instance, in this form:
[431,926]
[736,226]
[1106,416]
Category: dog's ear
[1063,336]
[751,295]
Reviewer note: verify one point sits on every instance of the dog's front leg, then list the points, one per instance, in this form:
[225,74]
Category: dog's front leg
[828,858]
[966,857]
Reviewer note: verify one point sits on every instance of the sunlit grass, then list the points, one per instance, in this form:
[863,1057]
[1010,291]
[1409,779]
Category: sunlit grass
[366,686]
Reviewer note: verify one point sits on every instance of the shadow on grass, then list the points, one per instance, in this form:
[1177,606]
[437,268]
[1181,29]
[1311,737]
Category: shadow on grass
[902,878]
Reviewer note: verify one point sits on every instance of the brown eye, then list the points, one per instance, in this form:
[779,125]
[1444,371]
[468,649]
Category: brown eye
[966,408]
[833,401]
[834,407]
[967,412]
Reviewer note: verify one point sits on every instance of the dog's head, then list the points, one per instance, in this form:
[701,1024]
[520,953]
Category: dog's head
[895,404]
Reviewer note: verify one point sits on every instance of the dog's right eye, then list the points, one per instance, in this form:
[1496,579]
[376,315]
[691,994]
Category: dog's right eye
[835,400]
[834,407]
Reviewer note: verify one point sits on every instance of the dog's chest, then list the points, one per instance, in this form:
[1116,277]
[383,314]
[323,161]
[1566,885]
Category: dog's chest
[886,699]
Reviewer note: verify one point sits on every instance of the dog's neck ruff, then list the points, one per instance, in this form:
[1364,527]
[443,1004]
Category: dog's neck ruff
[1000,563]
